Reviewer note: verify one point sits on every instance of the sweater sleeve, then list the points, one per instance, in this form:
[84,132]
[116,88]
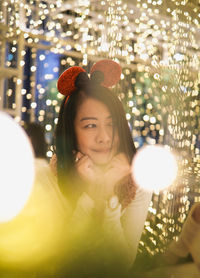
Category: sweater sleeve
[127,225]
[133,219]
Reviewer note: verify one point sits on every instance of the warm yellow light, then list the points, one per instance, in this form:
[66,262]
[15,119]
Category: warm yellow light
[154,167]
[17,168]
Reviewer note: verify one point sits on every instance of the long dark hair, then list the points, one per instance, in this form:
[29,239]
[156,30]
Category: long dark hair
[65,139]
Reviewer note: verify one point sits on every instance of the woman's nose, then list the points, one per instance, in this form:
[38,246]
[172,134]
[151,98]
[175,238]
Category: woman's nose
[103,135]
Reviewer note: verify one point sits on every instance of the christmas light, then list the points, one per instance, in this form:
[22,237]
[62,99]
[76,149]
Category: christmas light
[154,168]
[17,168]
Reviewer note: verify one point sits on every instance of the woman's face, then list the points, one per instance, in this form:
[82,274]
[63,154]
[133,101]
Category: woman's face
[94,132]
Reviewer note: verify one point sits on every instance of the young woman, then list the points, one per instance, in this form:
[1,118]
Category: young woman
[94,150]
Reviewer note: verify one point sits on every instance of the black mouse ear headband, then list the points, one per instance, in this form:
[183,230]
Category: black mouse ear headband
[105,72]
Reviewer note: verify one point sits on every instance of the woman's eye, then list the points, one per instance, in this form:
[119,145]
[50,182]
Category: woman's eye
[90,126]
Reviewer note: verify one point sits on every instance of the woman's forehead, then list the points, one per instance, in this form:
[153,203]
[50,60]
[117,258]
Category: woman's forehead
[93,107]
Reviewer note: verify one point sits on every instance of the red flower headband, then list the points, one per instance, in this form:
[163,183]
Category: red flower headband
[111,75]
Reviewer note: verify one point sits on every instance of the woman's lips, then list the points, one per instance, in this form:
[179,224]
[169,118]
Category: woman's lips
[102,150]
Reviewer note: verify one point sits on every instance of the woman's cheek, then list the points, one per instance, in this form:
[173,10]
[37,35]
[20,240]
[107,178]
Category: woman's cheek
[83,147]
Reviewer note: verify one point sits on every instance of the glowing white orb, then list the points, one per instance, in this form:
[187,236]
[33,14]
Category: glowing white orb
[17,168]
[154,167]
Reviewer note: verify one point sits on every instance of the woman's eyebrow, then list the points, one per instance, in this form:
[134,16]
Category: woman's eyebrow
[93,118]
[87,118]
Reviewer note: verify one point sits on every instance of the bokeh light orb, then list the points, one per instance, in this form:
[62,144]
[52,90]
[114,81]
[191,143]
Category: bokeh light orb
[17,168]
[154,168]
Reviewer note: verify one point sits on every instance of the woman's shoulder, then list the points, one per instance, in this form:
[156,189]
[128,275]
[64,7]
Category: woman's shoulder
[45,182]
[43,173]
